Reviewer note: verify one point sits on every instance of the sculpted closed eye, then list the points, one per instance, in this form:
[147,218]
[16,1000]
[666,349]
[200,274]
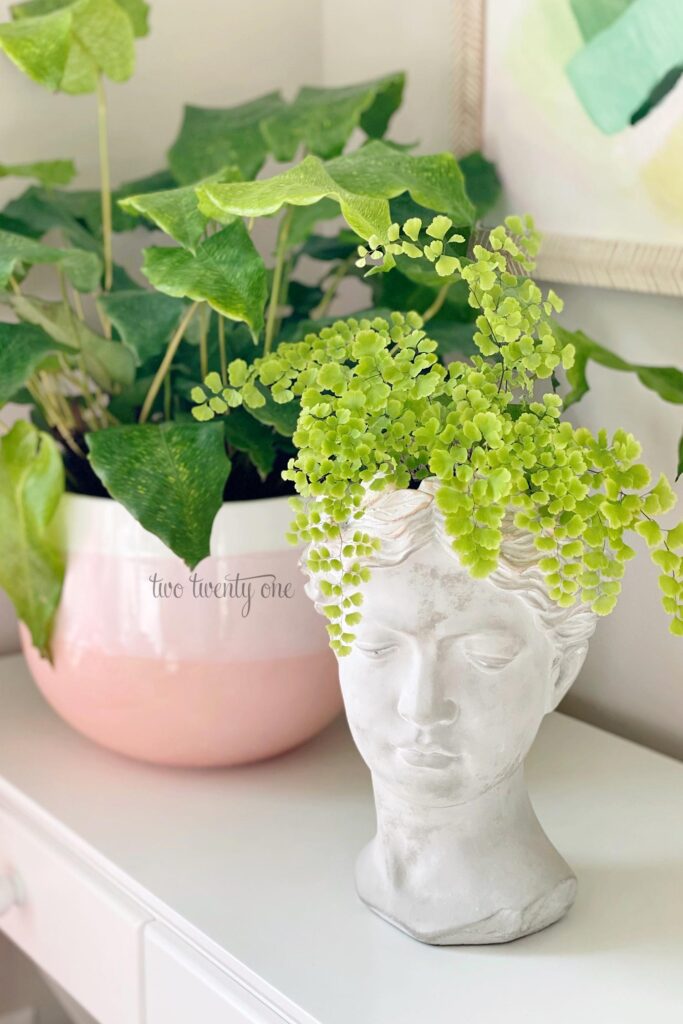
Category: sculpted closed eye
[491,651]
[376,651]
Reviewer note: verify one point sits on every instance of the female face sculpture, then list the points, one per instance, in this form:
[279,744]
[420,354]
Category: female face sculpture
[445,687]
[448,680]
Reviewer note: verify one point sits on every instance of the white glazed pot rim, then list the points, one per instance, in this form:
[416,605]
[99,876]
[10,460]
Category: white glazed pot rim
[99,525]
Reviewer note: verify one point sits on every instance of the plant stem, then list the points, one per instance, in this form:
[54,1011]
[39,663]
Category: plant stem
[280,255]
[204,321]
[105,183]
[78,305]
[166,363]
[40,392]
[167,396]
[222,354]
[437,303]
[336,279]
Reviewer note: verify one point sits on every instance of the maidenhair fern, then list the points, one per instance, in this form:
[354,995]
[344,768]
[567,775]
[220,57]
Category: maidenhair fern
[378,408]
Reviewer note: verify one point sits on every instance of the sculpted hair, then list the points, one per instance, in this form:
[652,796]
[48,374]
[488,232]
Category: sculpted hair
[407,520]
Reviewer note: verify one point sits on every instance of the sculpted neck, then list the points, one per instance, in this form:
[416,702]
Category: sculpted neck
[450,839]
[446,874]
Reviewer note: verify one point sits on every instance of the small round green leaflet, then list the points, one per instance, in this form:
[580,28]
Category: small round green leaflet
[379,409]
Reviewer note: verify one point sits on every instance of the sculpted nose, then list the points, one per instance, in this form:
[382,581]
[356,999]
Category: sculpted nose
[423,701]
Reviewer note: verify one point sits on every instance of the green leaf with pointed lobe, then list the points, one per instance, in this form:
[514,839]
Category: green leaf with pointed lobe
[305,218]
[39,210]
[31,564]
[78,212]
[666,381]
[482,183]
[176,211]
[245,433]
[226,271]
[145,320]
[39,46]
[66,44]
[282,417]
[435,181]
[138,12]
[170,477]
[23,349]
[17,252]
[361,183]
[47,172]
[322,119]
[211,138]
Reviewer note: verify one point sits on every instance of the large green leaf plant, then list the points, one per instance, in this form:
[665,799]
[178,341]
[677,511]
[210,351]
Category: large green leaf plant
[107,363]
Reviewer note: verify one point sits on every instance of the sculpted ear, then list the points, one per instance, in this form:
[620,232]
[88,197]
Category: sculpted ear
[566,668]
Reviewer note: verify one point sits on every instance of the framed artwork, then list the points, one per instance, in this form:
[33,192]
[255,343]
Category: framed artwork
[580,105]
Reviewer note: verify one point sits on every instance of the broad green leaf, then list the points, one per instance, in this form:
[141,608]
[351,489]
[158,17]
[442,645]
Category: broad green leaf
[666,381]
[23,348]
[145,320]
[481,182]
[453,337]
[123,282]
[323,119]
[17,227]
[176,210]
[31,565]
[303,298]
[39,210]
[305,218]
[361,183]
[138,12]
[110,363]
[170,477]
[99,40]
[434,181]
[303,185]
[78,213]
[245,433]
[47,172]
[211,138]
[335,247]
[126,406]
[679,469]
[39,46]
[18,252]
[226,271]
[158,181]
[281,417]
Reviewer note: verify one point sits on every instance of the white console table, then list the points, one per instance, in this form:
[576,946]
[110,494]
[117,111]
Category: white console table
[159,896]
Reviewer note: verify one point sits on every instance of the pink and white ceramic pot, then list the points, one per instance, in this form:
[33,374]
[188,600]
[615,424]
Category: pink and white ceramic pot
[222,665]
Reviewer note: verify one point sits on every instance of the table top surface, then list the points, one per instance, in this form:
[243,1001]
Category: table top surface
[254,866]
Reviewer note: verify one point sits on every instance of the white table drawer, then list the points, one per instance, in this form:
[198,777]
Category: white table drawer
[182,986]
[74,925]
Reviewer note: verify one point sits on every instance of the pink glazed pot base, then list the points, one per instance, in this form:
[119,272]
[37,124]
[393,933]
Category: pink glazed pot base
[185,681]
[194,713]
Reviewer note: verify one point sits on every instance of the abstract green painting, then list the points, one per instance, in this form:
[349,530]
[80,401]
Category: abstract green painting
[582,110]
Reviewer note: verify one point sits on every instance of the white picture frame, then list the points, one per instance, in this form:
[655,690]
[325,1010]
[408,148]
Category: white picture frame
[632,265]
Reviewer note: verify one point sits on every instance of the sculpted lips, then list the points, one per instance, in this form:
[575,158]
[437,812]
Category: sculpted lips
[426,757]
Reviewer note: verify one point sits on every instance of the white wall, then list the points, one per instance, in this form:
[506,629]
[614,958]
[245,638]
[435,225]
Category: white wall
[213,52]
